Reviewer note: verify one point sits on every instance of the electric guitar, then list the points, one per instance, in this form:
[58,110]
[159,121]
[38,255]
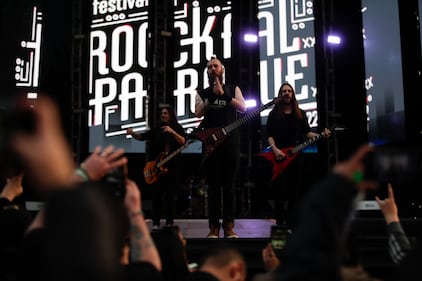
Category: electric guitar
[212,138]
[291,153]
[154,169]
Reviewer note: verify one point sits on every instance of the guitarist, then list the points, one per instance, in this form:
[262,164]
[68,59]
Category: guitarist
[166,137]
[287,126]
[218,104]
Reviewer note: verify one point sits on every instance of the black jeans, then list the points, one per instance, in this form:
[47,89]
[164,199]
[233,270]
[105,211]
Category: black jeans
[221,170]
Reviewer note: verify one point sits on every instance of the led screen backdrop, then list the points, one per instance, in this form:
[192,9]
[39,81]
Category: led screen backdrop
[205,28]
[286,42]
[383,65]
[117,71]
[22,25]
[118,63]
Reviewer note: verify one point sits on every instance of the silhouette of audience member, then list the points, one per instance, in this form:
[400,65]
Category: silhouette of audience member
[171,246]
[314,248]
[352,268]
[83,240]
[84,234]
[221,263]
[14,219]
[79,235]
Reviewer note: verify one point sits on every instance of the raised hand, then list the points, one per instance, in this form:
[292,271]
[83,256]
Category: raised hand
[46,152]
[102,161]
[354,168]
[217,87]
[388,206]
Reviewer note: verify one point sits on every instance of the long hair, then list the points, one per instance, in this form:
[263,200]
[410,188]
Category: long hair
[173,122]
[295,105]
[172,253]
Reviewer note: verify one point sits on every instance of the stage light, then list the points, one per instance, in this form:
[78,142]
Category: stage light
[250,38]
[250,103]
[334,39]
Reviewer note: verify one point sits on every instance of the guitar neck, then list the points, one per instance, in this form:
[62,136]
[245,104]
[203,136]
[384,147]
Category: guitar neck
[173,154]
[306,143]
[247,117]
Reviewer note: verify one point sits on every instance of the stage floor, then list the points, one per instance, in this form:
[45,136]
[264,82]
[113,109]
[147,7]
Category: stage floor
[245,228]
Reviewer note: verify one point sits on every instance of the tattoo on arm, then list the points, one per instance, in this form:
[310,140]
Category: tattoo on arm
[139,243]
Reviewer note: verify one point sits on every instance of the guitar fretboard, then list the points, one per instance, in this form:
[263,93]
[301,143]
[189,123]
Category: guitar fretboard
[306,143]
[247,117]
[174,153]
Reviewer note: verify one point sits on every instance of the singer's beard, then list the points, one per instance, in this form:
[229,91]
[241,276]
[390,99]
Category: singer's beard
[212,78]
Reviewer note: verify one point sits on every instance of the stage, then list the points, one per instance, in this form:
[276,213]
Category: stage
[245,228]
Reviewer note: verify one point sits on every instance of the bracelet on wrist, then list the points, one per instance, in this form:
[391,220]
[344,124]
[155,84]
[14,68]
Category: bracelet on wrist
[358,176]
[82,173]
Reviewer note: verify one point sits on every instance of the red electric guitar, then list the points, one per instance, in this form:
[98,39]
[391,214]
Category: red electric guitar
[212,138]
[291,152]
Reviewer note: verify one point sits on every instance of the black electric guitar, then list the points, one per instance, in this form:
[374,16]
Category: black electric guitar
[291,152]
[154,169]
[212,138]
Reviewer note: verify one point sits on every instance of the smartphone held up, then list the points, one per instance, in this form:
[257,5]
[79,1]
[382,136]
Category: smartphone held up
[279,235]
